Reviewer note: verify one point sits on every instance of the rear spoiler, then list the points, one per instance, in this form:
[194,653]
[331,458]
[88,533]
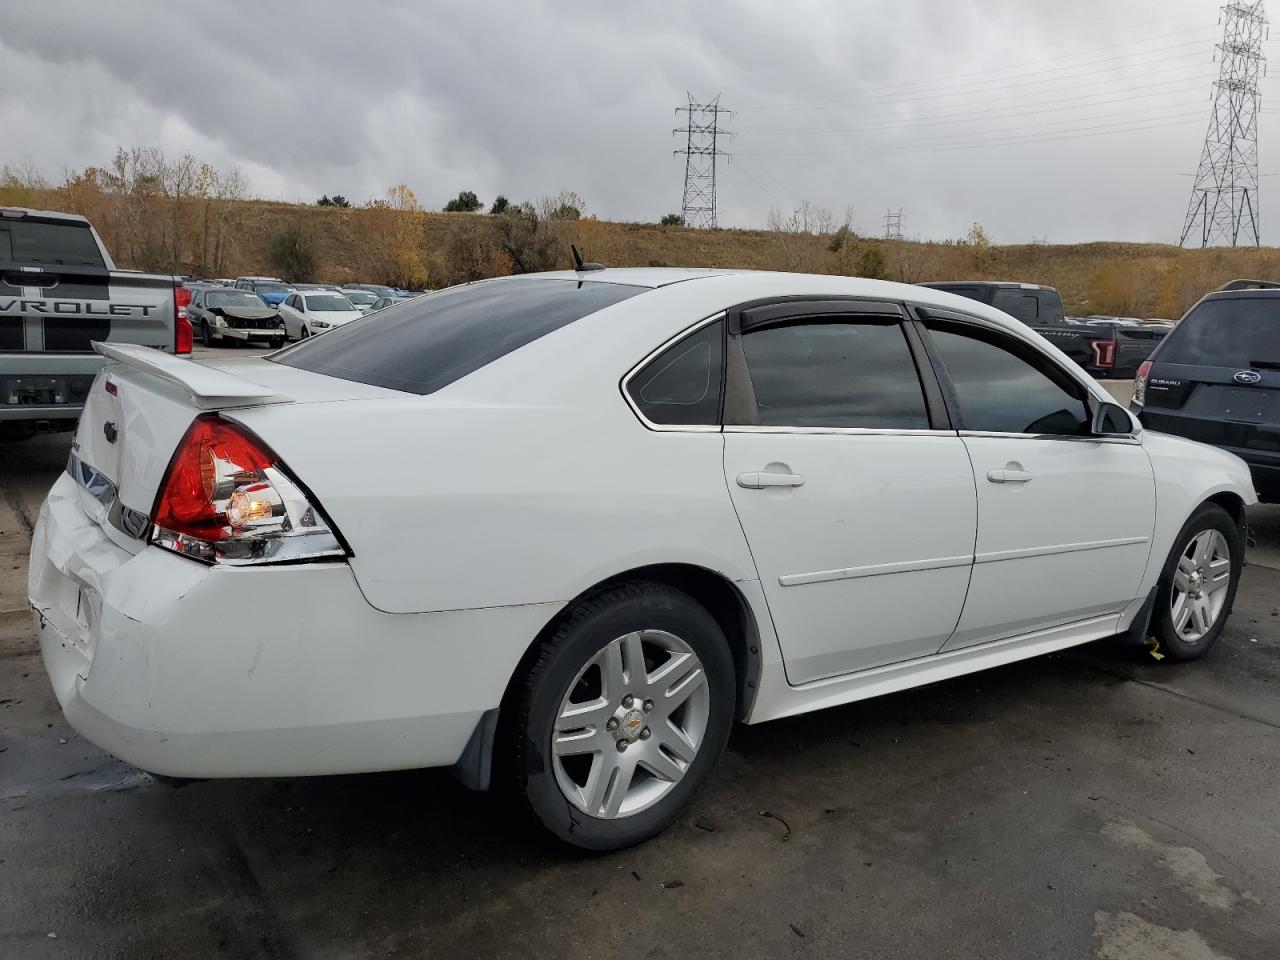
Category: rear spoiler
[208,388]
[1249,285]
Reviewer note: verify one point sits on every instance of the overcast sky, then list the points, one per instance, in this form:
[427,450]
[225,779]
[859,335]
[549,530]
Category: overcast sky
[1038,118]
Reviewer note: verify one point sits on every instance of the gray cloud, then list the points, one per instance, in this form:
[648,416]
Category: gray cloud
[1001,112]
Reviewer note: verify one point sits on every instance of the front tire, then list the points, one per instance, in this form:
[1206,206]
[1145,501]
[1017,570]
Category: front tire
[622,716]
[206,335]
[1198,584]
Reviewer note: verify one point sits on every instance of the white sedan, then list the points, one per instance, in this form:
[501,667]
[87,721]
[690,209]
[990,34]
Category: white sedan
[310,312]
[583,522]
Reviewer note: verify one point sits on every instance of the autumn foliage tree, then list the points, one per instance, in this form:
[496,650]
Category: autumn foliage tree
[389,239]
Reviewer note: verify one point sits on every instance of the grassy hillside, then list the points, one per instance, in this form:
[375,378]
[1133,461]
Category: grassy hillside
[385,244]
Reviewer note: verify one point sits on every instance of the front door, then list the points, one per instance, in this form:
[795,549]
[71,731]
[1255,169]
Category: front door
[859,512]
[1064,518]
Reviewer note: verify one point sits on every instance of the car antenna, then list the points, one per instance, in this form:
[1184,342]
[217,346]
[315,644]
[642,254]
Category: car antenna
[581,266]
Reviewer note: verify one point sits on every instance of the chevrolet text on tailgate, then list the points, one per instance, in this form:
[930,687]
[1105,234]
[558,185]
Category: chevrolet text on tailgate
[59,293]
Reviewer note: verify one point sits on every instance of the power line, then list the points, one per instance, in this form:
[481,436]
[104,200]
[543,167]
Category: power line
[1057,125]
[1224,199]
[702,149]
[930,147]
[948,87]
[1162,88]
[1016,69]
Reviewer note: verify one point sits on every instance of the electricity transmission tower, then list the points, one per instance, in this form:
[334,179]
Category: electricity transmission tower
[893,225]
[1224,200]
[702,148]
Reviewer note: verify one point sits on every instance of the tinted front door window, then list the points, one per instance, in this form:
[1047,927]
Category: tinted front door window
[1002,386]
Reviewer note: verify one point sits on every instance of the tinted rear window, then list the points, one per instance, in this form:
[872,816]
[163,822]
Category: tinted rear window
[33,241]
[1233,332]
[431,341]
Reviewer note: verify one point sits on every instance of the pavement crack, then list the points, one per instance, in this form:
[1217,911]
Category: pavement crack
[1163,688]
[15,503]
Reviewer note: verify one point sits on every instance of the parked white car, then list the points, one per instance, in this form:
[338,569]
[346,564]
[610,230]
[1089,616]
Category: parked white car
[587,520]
[362,300]
[309,312]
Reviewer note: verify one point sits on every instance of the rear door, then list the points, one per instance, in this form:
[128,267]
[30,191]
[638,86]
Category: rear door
[1064,518]
[856,497]
[1216,378]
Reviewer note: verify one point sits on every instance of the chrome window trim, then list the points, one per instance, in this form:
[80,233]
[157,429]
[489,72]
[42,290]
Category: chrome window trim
[850,431]
[1128,438]
[653,354]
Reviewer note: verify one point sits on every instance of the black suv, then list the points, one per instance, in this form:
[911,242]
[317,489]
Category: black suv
[1216,378]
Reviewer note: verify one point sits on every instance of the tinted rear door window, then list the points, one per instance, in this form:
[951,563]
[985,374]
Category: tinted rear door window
[1235,332]
[835,374]
[33,241]
[429,342]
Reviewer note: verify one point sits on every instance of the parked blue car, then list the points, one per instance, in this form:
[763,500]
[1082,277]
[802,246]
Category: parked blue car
[271,289]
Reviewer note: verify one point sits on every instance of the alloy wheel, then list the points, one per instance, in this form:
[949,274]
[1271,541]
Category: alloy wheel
[1200,583]
[630,725]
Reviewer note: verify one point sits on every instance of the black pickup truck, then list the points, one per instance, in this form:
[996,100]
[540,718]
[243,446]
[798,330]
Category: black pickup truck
[1102,349]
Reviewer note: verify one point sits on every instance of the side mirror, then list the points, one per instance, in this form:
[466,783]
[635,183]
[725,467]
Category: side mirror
[1112,420]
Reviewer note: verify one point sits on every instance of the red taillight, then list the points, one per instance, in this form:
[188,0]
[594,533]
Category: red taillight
[212,452]
[227,498]
[1104,354]
[1140,383]
[181,324]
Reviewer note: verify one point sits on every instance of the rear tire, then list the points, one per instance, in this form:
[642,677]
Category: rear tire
[1198,584]
[642,663]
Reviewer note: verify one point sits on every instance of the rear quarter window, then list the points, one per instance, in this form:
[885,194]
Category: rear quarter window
[431,341]
[1230,332]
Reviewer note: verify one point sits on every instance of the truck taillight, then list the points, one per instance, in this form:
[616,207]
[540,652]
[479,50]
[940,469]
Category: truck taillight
[1140,384]
[227,498]
[181,324]
[1104,354]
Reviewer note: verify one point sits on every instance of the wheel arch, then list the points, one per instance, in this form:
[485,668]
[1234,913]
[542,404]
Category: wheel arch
[1232,502]
[716,592]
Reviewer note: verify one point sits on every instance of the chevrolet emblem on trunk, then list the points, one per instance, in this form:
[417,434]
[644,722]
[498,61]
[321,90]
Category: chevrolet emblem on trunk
[109,431]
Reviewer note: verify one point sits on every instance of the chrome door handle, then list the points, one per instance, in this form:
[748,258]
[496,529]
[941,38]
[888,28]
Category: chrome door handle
[1008,476]
[758,480]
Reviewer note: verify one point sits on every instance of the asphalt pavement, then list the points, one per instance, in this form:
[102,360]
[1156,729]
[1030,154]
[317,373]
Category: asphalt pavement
[1088,804]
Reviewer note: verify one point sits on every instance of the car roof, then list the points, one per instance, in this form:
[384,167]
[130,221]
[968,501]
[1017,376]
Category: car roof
[741,286]
[652,277]
[1250,293]
[989,283]
[40,214]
